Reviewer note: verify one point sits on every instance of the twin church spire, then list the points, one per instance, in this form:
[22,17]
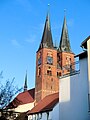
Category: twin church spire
[47,41]
[50,61]
[64,41]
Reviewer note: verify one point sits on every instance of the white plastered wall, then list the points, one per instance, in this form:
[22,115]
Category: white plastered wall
[74,95]
[24,107]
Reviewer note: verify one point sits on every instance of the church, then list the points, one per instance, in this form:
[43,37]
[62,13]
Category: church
[51,63]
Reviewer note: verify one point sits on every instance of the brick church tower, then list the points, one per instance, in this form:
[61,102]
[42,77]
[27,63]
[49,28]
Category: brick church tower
[65,56]
[50,61]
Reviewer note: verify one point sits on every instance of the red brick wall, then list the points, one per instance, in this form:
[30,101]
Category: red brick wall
[47,84]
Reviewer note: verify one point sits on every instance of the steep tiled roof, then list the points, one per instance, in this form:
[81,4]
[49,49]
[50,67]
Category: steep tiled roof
[23,98]
[46,104]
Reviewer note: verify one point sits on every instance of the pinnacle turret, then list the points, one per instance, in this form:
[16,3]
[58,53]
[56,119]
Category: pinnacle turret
[25,84]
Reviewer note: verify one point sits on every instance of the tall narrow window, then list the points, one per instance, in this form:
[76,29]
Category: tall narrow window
[39,61]
[39,71]
[49,71]
[68,60]
[58,74]
[39,58]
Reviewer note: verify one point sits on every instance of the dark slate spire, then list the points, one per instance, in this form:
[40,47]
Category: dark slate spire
[46,41]
[64,42]
[25,84]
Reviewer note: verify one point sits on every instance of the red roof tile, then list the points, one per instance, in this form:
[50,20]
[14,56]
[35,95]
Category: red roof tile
[23,98]
[45,104]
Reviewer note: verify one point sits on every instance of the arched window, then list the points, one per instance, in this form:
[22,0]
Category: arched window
[58,74]
[49,71]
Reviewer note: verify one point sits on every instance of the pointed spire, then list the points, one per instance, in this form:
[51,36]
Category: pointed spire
[64,42]
[25,84]
[46,41]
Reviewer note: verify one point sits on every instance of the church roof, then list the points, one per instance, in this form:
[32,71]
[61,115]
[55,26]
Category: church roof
[46,104]
[64,41]
[23,98]
[46,41]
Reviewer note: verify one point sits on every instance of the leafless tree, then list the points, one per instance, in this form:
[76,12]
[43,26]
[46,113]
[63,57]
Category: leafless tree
[7,92]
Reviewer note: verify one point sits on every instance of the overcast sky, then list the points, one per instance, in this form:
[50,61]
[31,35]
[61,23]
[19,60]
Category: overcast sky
[21,28]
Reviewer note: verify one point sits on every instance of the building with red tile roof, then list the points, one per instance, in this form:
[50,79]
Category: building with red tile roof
[23,99]
[45,108]
[46,104]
